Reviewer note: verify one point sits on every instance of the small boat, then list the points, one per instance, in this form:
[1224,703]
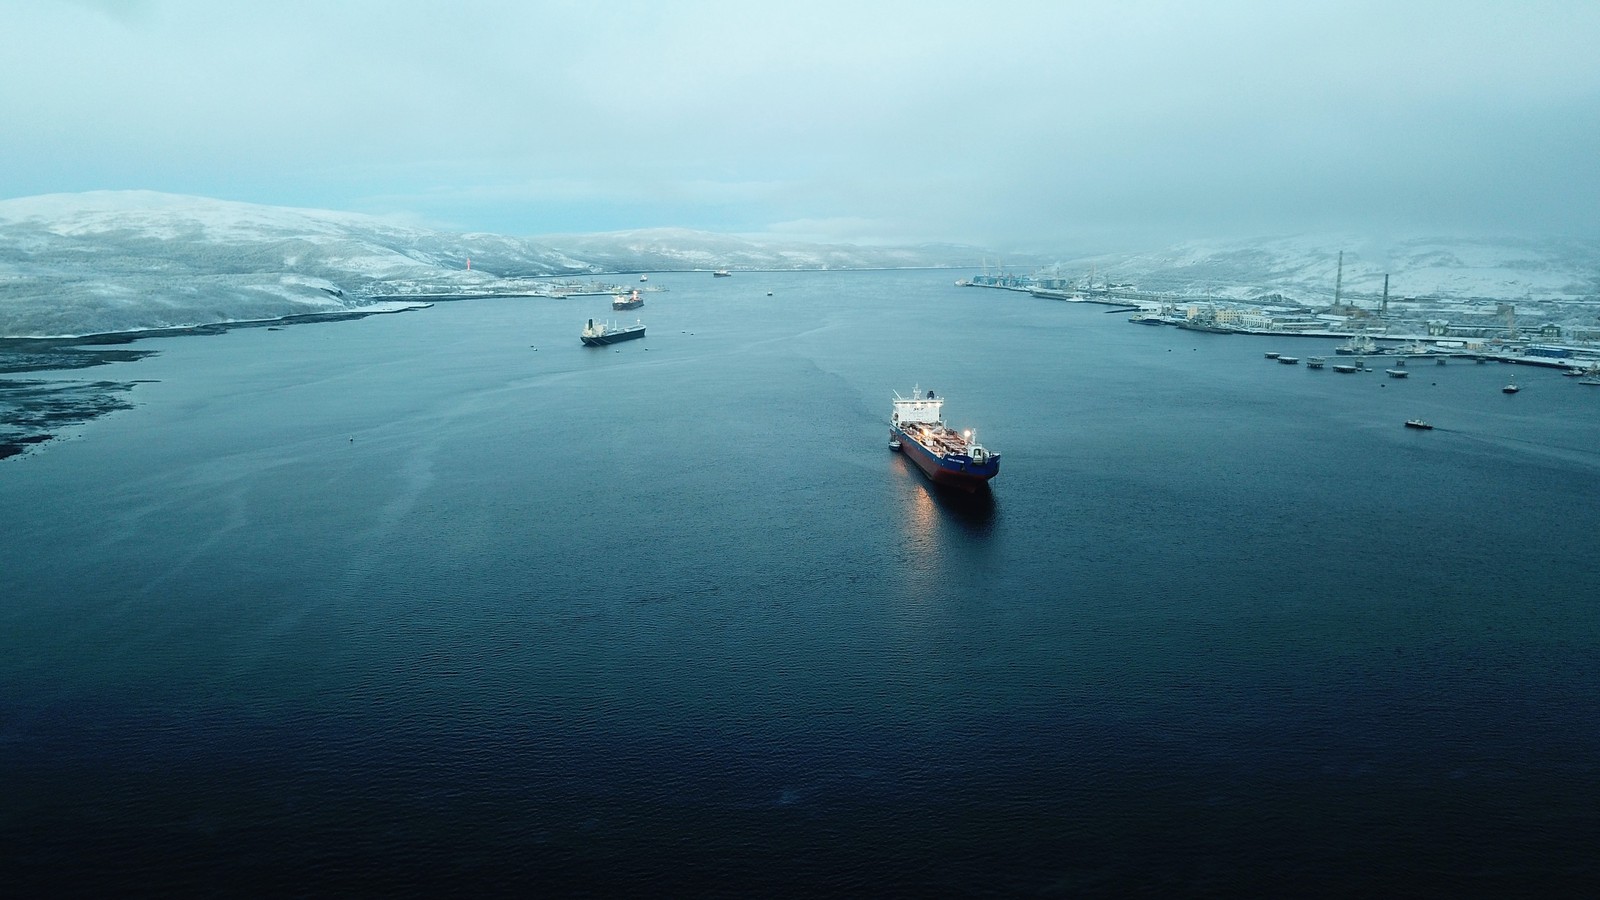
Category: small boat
[644,277]
[1396,373]
[1418,423]
[721,273]
[1510,388]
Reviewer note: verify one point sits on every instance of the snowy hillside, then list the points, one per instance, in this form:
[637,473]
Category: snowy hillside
[1304,269]
[104,261]
[75,264]
[128,260]
[664,249]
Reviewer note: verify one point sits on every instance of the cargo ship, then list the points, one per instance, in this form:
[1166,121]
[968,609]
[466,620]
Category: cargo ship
[629,301]
[599,334]
[948,457]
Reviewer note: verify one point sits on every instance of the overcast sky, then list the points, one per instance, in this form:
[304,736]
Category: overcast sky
[1053,125]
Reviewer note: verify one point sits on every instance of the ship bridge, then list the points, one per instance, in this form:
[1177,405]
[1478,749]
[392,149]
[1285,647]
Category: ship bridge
[927,408]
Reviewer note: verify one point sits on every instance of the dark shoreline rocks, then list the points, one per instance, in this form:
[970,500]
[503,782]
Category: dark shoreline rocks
[33,411]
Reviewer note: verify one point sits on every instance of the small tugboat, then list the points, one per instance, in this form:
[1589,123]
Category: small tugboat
[948,457]
[1510,388]
[599,334]
[1418,423]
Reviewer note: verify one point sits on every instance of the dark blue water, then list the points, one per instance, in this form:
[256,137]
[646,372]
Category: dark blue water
[405,604]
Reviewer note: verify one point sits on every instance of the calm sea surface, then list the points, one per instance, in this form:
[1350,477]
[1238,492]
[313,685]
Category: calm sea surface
[443,601]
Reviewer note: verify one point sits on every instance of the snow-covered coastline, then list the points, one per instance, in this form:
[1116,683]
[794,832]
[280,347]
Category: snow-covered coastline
[380,307]
[107,262]
[1307,268]
[124,261]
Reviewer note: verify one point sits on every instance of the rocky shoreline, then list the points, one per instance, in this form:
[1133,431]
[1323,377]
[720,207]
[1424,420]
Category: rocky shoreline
[34,411]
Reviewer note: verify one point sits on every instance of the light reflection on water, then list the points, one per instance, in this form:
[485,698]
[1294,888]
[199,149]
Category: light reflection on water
[428,603]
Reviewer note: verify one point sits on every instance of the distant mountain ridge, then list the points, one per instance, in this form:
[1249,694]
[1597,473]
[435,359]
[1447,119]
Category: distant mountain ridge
[669,249]
[113,261]
[104,261]
[1306,268]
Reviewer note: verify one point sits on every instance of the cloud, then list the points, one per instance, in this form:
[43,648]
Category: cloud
[1013,122]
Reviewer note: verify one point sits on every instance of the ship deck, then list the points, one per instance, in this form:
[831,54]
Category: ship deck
[940,440]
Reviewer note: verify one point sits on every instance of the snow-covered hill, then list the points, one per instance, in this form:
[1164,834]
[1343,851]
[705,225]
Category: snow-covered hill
[129,260]
[666,249]
[105,261]
[1305,269]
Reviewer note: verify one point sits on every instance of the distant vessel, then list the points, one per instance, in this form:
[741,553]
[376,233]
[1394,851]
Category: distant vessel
[1314,362]
[1272,354]
[1148,319]
[1396,373]
[1510,388]
[631,301]
[721,273]
[1418,423]
[598,334]
[1358,345]
[1207,324]
[644,277]
[948,457]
